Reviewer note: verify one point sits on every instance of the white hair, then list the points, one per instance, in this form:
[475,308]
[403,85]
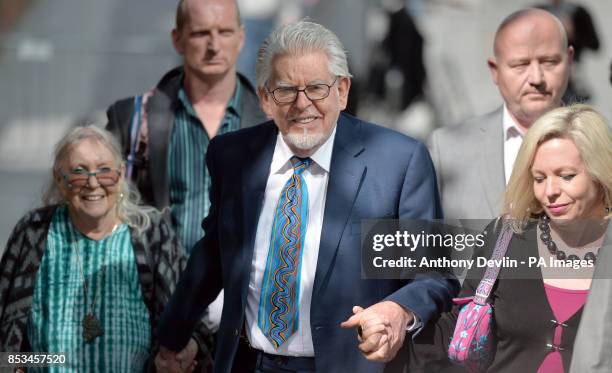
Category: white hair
[297,39]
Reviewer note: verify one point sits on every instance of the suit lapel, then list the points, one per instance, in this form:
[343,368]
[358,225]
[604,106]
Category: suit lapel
[345,178]
[492,162]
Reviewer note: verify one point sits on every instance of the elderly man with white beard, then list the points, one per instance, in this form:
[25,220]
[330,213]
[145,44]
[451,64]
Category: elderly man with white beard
[283,233]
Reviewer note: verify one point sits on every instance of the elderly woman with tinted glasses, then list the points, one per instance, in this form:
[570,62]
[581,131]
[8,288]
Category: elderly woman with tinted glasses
[89,273]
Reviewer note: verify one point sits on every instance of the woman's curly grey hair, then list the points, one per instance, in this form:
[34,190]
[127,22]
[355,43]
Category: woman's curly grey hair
[128,208]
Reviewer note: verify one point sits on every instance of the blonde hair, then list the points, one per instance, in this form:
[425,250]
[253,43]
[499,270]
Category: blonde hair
[588,130]
[128,209]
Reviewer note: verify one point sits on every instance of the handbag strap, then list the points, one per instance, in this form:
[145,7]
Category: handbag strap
[501,246]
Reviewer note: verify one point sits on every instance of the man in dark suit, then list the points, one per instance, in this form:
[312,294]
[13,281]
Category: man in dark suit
[283,233]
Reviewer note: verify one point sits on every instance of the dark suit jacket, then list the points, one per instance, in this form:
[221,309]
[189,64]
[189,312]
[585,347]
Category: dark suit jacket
[375,173]
[152,176]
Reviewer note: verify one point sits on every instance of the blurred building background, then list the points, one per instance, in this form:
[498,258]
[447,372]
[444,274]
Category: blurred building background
[64,61]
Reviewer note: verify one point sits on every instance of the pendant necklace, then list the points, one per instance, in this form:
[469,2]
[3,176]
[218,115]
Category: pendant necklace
[92,327]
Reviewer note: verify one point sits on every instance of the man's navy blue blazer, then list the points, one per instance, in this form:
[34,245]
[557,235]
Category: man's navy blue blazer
[375,173]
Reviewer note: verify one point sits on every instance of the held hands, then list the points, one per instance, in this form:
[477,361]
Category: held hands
[168,361]
[381,328]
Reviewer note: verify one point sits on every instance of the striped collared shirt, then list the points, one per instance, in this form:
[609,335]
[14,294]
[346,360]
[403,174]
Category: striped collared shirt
[189,177]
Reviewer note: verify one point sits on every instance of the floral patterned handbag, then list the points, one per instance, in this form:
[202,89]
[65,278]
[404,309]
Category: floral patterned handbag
[473,344]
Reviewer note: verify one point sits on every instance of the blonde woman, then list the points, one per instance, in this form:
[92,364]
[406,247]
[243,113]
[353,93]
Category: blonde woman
[559,198]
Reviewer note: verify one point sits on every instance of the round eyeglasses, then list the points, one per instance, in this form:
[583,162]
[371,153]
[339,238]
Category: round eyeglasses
[106,177]
[314,92]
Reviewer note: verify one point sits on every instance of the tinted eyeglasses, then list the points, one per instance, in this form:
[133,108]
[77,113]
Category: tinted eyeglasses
[314,92]
[106,177]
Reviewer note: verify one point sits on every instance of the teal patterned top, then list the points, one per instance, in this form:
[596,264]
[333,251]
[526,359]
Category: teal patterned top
[59,304]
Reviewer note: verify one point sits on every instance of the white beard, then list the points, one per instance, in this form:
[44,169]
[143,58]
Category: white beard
[305,140]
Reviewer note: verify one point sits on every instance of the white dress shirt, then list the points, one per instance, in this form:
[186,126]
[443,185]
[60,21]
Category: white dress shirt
[513,138]
[316,177]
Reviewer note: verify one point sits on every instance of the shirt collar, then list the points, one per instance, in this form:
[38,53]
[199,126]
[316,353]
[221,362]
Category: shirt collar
[511,129]
[282,154]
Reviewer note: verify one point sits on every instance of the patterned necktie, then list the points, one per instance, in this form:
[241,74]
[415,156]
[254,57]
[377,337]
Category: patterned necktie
[280,288]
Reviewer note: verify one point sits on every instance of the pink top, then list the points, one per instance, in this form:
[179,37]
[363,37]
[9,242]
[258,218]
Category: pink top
[564,304]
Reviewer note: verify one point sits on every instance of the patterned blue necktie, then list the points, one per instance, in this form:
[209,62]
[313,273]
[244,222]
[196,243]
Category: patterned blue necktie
[280,288]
